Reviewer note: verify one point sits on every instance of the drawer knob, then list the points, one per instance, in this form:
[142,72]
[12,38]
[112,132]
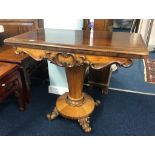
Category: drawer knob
[3,85]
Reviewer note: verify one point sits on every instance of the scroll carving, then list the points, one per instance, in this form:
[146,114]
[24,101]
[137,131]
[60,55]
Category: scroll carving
[65,56]
[36,54]
[118,63]
[63,59]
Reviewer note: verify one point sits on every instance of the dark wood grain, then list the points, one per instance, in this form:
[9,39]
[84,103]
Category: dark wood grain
[119,44]
[5,68]
[99,24]
[103,24]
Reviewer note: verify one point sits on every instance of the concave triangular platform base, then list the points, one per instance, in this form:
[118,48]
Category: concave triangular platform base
[75,112]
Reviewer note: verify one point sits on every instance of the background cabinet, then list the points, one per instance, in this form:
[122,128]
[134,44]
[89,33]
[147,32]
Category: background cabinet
[26,64]
[99,78]
[13,27]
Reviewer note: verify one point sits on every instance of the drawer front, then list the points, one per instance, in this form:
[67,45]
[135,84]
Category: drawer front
[8,83]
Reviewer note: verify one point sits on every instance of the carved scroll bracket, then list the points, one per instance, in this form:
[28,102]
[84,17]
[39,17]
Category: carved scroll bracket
[66,59]
[36,54]
[63,59]
[105,61]
[126,64]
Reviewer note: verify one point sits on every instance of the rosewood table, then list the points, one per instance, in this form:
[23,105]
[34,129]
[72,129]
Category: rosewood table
[75,50]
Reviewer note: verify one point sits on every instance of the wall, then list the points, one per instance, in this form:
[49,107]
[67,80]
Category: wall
[57,76]
[143,30]
[152,36]
[63,23]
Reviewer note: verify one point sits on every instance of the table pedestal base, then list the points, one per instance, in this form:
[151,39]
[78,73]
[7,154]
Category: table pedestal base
[80,112]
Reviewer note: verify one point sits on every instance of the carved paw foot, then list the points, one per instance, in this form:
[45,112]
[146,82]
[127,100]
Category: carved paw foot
[53,114]
[97,103]
[84,122]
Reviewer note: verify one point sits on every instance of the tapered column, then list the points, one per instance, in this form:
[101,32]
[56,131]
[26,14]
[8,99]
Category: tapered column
[75,78]
[75,104]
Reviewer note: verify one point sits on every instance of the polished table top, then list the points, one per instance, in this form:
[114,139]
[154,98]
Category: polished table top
[120,44]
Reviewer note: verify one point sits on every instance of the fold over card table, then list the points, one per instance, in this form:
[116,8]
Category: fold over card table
[75,50]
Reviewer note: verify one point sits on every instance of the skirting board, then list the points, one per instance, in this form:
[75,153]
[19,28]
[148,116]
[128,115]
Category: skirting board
[61,90]
[57,90]
[151,47]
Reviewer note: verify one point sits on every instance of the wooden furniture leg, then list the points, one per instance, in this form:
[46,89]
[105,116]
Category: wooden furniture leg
[20,94]
[100,78]
[26,86]
[75,104]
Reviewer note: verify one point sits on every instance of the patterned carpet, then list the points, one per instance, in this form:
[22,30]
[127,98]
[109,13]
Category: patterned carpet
[149,70]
